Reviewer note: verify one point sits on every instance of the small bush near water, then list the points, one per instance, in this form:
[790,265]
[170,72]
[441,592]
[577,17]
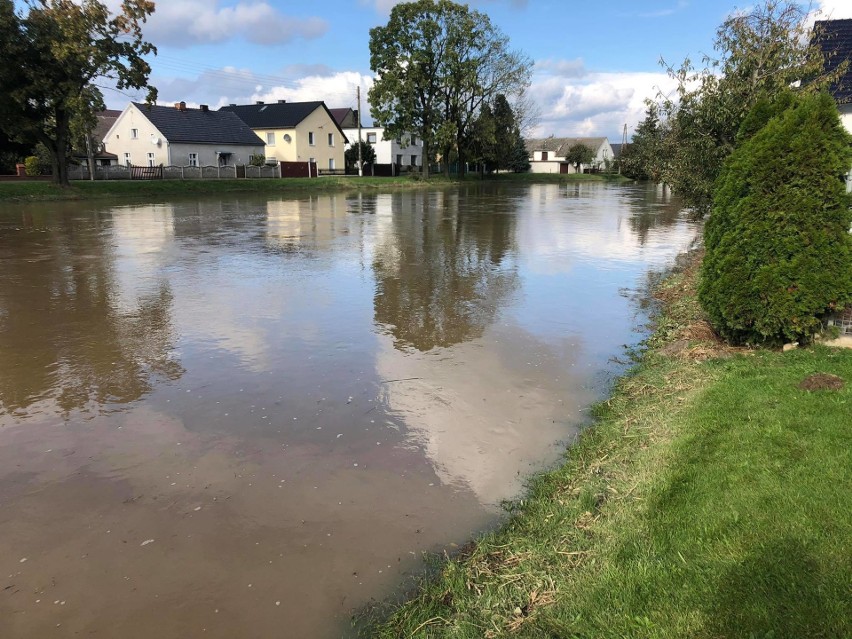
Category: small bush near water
[779,254]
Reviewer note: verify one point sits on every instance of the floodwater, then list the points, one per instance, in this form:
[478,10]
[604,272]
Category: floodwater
[250,417]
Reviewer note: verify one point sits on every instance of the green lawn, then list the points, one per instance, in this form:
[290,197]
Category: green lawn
[711,499]
[85,190]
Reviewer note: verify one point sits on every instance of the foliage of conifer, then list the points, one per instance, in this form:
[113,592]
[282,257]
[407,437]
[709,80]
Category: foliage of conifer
[779,251]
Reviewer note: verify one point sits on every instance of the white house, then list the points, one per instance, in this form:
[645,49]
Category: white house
[153,135]
[404,151]
[547,155]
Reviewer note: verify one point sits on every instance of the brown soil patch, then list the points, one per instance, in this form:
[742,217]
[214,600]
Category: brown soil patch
[701,331]
[822,381]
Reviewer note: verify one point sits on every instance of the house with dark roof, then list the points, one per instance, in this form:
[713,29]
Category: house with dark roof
[834,38]
[547,155]
[100,155]
[154,135]
[295,131]
[346,117]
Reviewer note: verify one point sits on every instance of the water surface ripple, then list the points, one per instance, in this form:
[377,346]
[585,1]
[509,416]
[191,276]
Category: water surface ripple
[229,417]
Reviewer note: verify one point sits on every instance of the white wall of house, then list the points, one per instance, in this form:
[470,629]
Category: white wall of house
[208,154]
[550,162]
[604,153]
[408,151]
[846,119]
[548,166]
[132,137]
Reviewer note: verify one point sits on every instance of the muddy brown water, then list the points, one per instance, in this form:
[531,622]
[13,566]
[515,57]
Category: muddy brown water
[250,417]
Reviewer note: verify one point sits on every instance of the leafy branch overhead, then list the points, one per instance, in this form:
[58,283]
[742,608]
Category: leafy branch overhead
[61,49]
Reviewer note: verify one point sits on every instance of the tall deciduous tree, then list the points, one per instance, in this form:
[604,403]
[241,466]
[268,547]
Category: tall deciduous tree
[437,63]
[760,52]
[59,49]
[578,155]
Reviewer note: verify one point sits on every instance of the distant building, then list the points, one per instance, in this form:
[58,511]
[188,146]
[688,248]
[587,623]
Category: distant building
[101,156]
[295,131]
[406,150]
[154,135]
[547,155]
[345,117]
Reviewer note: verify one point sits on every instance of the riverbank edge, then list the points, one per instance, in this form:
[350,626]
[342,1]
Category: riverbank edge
[579,555]
[40,191]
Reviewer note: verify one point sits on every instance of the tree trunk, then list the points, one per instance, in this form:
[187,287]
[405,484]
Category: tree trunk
[425,156]
[60,151]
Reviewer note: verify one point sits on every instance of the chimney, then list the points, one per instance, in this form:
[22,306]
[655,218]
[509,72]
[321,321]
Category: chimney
[259,102]
[204,108]
[180,106]
[233,104]
[282,101]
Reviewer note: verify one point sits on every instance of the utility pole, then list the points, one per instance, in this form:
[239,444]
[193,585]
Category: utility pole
[360,163]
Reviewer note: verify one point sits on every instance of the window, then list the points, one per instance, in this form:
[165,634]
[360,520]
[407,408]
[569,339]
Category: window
[399,158]
[134,134]
[312,160]
[331,163]
[311,138]
[544,155]
[413,140]
[270,139]
[413,160]
[126,159]
[193,159]
[150,159]
[371,138]
[331,139]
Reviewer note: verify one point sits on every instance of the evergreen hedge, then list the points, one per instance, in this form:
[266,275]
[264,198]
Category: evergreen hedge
[779,251]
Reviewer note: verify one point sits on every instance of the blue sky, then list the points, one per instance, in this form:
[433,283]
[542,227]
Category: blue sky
[595,62]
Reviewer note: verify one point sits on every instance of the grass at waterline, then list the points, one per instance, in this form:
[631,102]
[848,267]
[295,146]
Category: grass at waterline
[86,190]
[711,499]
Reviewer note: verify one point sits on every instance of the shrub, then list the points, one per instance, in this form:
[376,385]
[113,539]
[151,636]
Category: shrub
[257,160]
[33,166]
[779,252]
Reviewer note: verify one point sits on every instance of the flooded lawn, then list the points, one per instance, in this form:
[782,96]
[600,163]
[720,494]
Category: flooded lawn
[237,418]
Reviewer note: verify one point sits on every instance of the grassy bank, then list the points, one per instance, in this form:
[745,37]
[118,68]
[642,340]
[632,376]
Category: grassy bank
[711,499]
[84,190]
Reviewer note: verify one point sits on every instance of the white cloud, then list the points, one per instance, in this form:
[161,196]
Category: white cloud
[595,104]
[191,22]
[834,9]
[384,6]
[337,90]
[295,83]
[563,68]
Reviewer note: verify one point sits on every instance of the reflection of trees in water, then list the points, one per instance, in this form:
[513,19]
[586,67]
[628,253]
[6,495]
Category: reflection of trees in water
[62,333]
[652,207]
[440,270]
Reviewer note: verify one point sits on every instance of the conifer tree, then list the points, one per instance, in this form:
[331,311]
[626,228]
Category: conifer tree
[779,251]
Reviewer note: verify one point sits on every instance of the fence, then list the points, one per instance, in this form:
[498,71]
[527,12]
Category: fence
[171,172]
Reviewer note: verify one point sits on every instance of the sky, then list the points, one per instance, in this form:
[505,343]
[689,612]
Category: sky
[595,62]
